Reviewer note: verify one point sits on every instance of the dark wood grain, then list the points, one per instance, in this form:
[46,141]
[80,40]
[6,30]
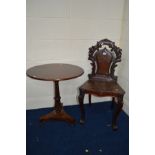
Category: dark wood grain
[102,81]
[56,72]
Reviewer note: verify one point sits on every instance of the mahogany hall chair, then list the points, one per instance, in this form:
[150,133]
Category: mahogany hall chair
[104,57]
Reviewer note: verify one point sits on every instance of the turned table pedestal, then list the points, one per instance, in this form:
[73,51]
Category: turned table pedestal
[56,72]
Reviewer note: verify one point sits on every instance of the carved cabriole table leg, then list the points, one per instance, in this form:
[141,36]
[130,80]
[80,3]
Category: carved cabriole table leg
[82,110]
[117,111]
[58,113]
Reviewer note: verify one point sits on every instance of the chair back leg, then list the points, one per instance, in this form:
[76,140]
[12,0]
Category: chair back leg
[89,98]
[113,102]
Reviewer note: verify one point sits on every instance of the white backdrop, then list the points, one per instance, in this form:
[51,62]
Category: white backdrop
[62,31]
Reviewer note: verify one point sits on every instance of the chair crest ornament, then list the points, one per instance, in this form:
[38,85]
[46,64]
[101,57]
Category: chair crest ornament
[112,48]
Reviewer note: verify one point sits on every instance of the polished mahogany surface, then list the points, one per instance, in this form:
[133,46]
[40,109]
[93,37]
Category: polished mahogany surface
[102,88]
[55,72]
[102,81]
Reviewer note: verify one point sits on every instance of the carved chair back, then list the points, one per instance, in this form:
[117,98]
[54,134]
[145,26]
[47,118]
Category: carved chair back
[104,56]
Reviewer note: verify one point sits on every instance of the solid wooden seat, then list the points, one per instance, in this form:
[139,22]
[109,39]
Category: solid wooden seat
[102,88]
[104,57]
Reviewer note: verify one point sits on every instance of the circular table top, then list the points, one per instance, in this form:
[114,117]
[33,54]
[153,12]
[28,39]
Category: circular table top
[54,72]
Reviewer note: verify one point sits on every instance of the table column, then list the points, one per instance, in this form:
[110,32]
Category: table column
[58,113]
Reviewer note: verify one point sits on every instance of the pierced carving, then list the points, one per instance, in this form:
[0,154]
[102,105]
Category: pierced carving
[115,52]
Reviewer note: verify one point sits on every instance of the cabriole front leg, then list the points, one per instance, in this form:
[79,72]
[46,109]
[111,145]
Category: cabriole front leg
[82,110]
[117,111]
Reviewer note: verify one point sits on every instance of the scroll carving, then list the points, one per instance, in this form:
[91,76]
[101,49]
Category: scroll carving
[116,52]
